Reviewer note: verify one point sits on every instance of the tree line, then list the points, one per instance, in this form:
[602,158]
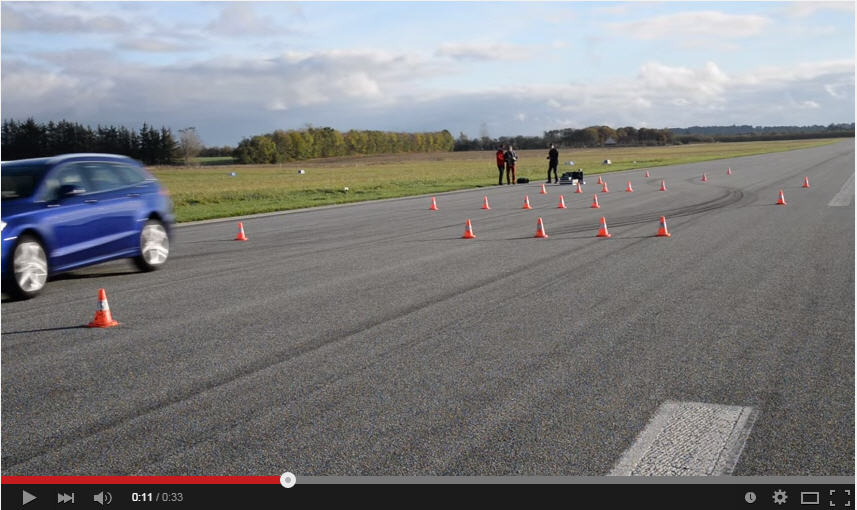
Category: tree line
[592,136]
[745,129]
[312,142]
[30,139]
[745,133]
[601,136]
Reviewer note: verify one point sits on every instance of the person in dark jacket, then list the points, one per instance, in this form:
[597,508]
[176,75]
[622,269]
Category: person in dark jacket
[510,157]
[501,163]
[553,161]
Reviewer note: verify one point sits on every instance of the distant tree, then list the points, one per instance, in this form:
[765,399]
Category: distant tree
[285,149]
[189,144]
[627,135]
[169,147]
[605,132]
[590,136]
[259,149]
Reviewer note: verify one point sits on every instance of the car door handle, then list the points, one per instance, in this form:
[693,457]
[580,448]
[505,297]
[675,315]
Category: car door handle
[133,195]
[90,201]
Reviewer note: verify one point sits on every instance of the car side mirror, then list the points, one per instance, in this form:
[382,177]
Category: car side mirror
[70,190]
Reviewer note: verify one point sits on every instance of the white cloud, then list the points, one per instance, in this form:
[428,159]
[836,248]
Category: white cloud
[484,51]
[805,9]
[641,102]
[701,85]
[772,76]
[276,105]
[833,90]
[809,104]
[358,85]
[154,45]
[240,19]
[693,24]
[615,9]
[31,17]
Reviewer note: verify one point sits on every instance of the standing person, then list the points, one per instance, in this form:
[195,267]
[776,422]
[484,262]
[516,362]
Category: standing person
[501,163]
[553,157]
[510,157]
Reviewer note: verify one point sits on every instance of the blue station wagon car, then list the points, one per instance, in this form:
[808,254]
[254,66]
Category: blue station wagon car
[67,212]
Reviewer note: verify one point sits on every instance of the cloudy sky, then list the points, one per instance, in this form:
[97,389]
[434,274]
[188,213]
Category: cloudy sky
[236,69]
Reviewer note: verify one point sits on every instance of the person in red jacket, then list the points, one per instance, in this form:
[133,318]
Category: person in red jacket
[501,163]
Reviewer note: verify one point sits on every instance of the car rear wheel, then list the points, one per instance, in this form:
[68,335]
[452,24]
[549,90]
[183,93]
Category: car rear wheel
[154,246]
[29,268]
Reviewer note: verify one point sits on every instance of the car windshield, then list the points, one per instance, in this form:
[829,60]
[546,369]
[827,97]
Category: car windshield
[20,181]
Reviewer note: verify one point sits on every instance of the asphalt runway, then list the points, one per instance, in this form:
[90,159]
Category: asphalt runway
[370,339]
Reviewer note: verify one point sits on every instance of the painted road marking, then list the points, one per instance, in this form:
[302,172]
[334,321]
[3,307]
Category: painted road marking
[845,195]
[689,439]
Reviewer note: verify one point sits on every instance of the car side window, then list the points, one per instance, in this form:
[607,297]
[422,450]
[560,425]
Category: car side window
[102,176]
[70,174]
[129,175]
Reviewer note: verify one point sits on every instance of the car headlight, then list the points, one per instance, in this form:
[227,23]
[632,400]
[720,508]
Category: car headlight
[2,225]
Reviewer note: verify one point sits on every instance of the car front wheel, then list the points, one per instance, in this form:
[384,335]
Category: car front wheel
[29,268]
[154,246]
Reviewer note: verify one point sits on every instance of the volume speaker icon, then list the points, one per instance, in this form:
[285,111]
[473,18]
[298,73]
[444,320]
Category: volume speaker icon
[103,498]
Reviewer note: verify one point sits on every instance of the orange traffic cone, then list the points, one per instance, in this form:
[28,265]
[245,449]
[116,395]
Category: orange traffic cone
[629,189]
[647,173]
[543,191]
[599,180]
[485,202]
[782,199]
[604,187]
[540,232]
[103,317]
[704,177]
[241,236]
[468,231]
[729,171]
[561,203]
[662,229]
[663,186]
[595,202]
[526,202]
[805,182]
[578,188]
[433,205]
[602,232]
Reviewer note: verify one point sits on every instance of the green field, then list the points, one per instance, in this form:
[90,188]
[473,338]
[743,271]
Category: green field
[212,192]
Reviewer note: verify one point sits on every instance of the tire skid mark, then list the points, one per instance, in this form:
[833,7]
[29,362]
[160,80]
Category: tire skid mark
[730,197]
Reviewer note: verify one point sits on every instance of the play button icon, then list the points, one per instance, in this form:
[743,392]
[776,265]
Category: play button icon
[27,498]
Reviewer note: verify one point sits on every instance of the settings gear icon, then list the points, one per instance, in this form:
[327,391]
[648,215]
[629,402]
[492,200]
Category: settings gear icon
[780,497]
